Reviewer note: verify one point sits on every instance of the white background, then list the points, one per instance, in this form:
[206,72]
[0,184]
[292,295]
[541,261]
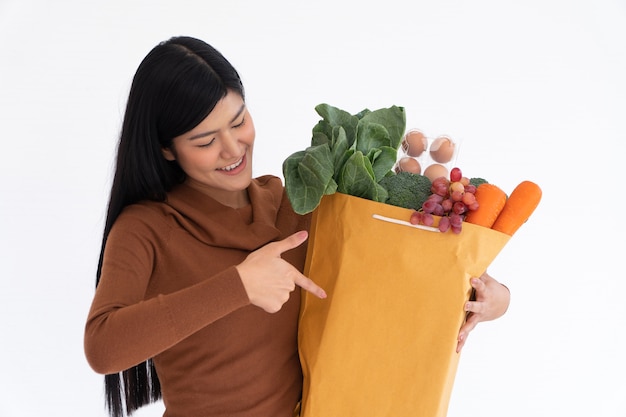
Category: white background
[533,90]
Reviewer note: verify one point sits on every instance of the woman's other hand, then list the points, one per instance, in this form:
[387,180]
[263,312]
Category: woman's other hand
[492,301]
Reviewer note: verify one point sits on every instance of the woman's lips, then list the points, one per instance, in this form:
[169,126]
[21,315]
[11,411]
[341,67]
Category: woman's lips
[234,168]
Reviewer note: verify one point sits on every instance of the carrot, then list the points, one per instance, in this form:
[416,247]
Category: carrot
[523,200]
[490,200]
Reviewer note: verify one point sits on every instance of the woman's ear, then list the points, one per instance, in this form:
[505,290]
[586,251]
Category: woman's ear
[168,154]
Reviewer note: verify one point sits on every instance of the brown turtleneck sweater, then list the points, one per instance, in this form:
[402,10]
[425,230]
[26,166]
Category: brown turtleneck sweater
[170,291]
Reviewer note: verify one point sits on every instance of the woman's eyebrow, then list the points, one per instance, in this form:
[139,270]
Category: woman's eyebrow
[209,133]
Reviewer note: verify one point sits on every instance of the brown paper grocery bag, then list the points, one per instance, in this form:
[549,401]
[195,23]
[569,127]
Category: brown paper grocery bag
[384,341]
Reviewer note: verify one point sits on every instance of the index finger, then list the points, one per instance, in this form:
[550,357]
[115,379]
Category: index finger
[288,243]
[310,286]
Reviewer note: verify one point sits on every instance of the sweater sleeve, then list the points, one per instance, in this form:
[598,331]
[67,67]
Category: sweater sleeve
[124,327]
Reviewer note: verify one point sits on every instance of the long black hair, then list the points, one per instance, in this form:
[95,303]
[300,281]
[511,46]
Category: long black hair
[175,87]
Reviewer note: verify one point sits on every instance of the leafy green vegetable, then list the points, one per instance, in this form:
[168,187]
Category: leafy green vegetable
[349,153]
[406,189]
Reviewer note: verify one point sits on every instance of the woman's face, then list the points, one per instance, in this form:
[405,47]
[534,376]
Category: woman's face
[216,155]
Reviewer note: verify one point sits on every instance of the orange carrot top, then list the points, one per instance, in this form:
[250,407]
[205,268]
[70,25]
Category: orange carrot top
[491,200]
[523,200]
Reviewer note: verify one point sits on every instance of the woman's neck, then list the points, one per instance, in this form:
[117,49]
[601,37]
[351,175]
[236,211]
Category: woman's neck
[231,198]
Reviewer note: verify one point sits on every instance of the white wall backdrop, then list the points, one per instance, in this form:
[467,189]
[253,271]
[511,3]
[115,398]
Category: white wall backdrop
[534,90]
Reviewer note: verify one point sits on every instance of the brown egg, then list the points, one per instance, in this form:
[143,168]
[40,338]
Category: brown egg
[442,149]
[409,164]
[414,143]
[433,171]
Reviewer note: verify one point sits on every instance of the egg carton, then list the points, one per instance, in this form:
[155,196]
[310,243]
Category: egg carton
[430,156]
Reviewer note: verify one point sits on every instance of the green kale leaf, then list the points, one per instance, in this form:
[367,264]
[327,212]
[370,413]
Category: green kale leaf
[349,153]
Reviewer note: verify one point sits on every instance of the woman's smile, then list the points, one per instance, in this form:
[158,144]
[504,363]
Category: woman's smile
[232,169]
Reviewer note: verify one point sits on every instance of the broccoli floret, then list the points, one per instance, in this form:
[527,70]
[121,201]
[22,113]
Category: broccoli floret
[477,181]
[406,189]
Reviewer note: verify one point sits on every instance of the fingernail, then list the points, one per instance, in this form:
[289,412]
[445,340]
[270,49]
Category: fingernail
[467,306]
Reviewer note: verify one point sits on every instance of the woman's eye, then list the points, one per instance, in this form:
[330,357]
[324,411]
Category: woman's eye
[243,121]
[206,145]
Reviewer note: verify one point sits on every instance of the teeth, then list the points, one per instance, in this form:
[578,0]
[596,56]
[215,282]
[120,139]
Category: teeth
[233,166]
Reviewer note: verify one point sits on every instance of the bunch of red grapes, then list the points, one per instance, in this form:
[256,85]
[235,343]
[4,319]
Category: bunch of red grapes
[451,199]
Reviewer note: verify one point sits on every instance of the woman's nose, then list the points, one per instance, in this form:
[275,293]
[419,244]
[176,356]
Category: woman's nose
[230,145]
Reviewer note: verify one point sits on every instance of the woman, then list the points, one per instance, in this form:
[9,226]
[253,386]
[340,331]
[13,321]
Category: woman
[200,261]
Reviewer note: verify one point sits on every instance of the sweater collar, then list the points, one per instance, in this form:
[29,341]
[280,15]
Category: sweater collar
[219,225]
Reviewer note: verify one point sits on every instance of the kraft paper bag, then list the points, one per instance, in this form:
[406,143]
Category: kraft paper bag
[384,341]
